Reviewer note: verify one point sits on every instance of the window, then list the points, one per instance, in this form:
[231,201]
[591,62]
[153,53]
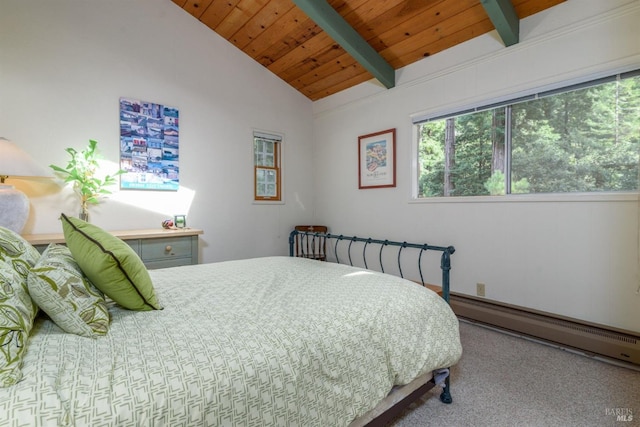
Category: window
[583,138]
[266,162]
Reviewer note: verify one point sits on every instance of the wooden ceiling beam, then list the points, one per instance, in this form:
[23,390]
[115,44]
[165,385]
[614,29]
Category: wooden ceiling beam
[334,24]
[503,16]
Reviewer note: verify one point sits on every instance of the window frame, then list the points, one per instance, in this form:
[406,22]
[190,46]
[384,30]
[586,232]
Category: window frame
[277,140]
[508,101]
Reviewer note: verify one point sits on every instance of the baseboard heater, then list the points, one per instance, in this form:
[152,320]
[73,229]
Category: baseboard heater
[589,338]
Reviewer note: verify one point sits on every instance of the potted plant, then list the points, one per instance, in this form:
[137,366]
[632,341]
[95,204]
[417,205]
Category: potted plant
[81,171]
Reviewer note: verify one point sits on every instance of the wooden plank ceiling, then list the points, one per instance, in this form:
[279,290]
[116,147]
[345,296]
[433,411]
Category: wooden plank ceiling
[278,34]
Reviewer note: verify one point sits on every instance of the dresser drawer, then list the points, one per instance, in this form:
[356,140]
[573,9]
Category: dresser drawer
[169,262]
[158,248]
[167,248]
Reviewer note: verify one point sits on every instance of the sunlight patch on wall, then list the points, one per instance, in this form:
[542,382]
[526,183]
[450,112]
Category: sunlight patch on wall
[163,202]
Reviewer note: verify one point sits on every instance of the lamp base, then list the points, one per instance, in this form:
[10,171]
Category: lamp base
[14,208]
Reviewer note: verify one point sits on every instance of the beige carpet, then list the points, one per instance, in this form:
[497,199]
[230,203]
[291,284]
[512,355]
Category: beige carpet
[504,380]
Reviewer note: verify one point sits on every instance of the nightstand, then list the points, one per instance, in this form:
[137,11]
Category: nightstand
[158,248]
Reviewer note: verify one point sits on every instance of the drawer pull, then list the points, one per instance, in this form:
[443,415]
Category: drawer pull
[168,248]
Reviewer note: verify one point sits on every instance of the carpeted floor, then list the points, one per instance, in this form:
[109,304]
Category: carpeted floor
[504,380]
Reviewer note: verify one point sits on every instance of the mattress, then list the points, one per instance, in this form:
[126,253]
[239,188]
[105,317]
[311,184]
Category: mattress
[260,342]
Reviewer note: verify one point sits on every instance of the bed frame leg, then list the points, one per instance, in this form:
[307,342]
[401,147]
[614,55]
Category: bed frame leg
[445,396]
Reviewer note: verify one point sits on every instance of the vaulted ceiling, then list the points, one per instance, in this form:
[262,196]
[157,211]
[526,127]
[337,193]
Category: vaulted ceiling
[321,47]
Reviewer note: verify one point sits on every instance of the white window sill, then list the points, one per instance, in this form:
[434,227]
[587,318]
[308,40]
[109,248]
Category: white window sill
[535,198]
[268,202]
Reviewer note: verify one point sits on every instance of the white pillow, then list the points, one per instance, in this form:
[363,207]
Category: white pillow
[61,290]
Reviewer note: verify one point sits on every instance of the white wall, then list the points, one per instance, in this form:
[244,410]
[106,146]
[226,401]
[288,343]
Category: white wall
[65,64]
[575,256]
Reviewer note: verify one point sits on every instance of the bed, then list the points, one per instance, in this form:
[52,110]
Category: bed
[266,341]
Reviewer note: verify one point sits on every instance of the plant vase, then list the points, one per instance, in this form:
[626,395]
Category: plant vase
[84,212]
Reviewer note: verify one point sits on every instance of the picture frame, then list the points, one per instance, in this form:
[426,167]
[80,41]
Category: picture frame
[149,146]
[377,159]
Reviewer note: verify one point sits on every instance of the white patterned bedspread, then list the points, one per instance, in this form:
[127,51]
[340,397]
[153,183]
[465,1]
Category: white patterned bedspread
[274,341]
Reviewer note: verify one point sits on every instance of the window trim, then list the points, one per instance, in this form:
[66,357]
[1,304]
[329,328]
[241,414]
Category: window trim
[278,139]
[532,94]
[603,196]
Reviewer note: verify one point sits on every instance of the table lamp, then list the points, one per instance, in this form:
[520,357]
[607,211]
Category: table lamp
[14,204]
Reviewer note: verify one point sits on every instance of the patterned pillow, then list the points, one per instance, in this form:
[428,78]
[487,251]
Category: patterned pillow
[57,285]
[17,312]
[110,264]
[17,251]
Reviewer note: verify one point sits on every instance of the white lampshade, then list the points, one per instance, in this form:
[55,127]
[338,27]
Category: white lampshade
[14,204]
[16,163]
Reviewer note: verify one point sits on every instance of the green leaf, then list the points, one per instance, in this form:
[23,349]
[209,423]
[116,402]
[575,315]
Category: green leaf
[81,171]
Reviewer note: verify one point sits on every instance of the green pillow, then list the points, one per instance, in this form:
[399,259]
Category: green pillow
[57,285]
[17,312]
[17,251]
[110,264]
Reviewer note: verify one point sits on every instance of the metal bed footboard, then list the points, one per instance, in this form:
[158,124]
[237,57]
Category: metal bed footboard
[313,245]
[308,243]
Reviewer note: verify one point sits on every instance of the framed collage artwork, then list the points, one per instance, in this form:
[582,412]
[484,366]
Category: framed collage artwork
[149,146]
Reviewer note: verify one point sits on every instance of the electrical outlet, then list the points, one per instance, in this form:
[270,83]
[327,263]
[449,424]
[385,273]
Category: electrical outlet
[480,289]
